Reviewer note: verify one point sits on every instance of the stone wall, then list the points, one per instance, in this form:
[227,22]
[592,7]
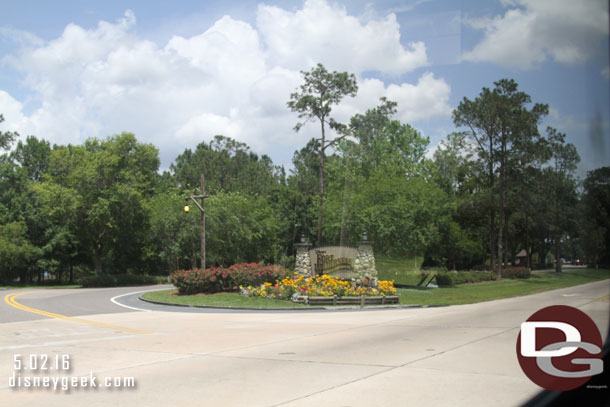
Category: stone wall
[302,264]
[364,265]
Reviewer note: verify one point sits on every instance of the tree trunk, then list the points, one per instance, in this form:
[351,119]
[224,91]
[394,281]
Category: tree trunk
[557,227]
[528,250]
[321,188]
[344,214]
[202,223]
[98,260]
[501,212]
[492,210]
[557,254]
[492,237]
[542,251]
[193,259]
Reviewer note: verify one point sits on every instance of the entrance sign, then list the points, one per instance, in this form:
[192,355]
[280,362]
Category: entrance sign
[336,261]
[348,263]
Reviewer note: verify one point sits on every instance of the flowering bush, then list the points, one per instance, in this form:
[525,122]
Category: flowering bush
[255,274]
[217,279]
[323,285]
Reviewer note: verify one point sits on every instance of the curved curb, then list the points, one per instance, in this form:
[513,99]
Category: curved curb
[338,308]
[230,308]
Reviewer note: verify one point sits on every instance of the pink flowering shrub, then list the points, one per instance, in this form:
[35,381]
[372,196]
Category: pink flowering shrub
[217,279]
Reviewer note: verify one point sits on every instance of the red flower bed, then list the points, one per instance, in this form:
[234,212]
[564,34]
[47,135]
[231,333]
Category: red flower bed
[217,279]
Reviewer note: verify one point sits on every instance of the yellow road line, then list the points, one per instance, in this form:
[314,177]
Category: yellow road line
[10,300]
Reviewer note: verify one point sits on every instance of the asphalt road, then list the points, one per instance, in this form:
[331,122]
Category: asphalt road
[66,301]
[458,356]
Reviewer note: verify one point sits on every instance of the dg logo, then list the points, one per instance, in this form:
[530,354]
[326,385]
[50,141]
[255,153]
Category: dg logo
[560,348]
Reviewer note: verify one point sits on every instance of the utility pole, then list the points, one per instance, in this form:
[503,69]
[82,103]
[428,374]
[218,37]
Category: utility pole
[201,207]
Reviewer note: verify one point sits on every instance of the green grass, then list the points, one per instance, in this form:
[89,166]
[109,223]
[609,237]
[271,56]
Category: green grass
[493,290]
[401,270]
[220,300]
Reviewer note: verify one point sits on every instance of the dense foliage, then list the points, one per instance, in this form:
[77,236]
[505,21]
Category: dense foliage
[496,192]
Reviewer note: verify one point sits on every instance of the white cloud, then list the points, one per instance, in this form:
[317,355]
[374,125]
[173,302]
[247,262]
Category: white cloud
[321,32]
[532,31]
[427,99]
[232,79]
[11,108]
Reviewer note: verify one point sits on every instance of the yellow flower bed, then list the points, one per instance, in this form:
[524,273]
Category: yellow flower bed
[323,285]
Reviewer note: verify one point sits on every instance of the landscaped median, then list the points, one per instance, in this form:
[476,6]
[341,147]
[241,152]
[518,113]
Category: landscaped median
[268,286]
[459,294]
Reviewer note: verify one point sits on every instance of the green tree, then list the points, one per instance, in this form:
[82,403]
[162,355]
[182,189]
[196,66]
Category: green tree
[457,173]
[33,157]
[303,185]
[381,185]
[110,181]
[562,185]
[596,216]
[59,206]
[6,137]
[16,252]
[228,166]
[502,125]
[241,228]
[313,101]
[174,238]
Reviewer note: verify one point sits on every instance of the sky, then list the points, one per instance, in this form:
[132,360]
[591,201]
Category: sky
[177,73]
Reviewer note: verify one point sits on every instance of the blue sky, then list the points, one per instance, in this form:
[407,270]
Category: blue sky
[176,73]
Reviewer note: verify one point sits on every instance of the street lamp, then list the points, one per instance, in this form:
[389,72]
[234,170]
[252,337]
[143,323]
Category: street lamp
[201,207]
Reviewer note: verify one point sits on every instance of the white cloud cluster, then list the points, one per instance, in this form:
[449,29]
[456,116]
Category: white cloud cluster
[232,79]
[532,31]
[321,32]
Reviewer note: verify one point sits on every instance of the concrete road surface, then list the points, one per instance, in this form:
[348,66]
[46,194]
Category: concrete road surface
[449,356]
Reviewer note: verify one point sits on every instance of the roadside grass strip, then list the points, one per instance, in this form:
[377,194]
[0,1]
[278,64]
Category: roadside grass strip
[10,299]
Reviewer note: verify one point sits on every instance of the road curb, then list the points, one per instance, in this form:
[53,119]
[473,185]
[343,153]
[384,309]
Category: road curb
[229,308]
[340,308]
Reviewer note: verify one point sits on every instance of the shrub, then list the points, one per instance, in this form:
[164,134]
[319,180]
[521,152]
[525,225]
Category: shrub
[110,280]
[134,279]
[99,280]
[216,279]
[461,277]
[516,272]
